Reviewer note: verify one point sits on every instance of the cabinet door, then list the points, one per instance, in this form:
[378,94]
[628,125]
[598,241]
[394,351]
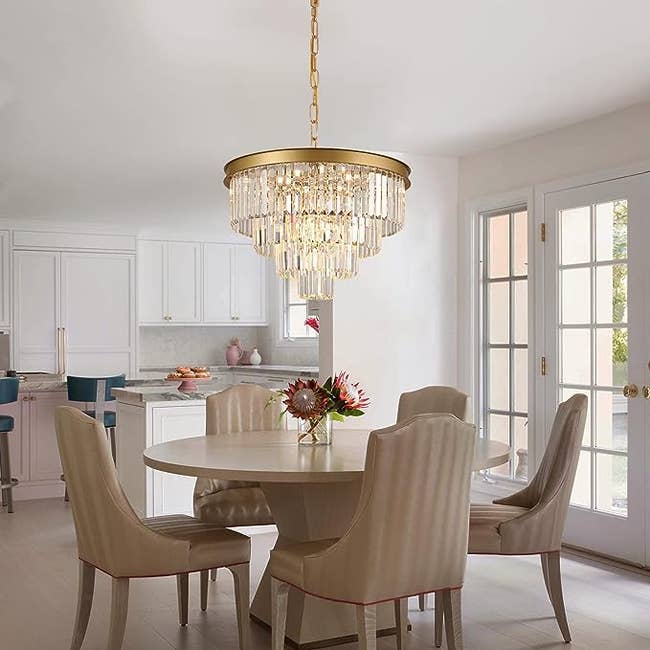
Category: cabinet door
[5,311]
[173,494]
[44,462]
[184,282]
[217,271]
[36,304]
[97,312]
[19,437]
[249,285]
[152,303]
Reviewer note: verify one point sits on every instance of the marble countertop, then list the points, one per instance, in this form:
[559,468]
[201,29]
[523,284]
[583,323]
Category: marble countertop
[262,368]
[142,394]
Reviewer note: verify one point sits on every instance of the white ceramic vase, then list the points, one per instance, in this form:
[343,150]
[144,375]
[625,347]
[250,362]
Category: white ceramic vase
[256,357]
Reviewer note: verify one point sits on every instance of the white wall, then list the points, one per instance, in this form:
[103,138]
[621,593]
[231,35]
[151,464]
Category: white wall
[394,326]
[605,142]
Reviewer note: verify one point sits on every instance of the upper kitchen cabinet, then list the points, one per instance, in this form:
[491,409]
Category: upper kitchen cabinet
[234,285]
[5,309]
[169,283]
[74,312]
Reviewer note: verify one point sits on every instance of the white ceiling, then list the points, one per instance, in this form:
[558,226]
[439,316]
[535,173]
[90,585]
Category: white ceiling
[129,109]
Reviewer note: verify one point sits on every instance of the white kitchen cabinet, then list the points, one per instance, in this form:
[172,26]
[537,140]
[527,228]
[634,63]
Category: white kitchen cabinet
[5,308]
[36,311]
[98,312]
[234,281]
[248,285]
[169,282]
[217,289]
[33,449]
[173,494]
[152,302]
[74,312]
[44,461]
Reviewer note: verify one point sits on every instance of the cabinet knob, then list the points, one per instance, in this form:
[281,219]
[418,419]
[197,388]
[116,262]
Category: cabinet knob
[631,391]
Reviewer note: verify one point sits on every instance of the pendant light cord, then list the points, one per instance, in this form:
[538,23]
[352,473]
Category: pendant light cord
[313,73]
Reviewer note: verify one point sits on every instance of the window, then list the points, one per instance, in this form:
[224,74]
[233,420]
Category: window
[294,313]
[504,330]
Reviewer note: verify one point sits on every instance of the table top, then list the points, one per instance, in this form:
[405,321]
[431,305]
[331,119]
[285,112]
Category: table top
[276,457]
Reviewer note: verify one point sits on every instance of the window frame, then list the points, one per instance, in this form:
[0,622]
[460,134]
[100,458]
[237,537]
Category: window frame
[285,310]
[485,346]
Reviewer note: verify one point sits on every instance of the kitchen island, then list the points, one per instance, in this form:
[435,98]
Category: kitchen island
[148,415]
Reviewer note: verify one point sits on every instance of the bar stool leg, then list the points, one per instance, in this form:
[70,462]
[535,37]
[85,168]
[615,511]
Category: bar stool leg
[5,472]
[111,436]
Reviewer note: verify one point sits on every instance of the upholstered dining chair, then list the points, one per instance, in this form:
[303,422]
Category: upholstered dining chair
[111,537]
[432,399]
[417,478]
[243,407]
[531,521]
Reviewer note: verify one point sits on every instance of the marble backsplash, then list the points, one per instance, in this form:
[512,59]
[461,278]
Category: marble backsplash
[170,346]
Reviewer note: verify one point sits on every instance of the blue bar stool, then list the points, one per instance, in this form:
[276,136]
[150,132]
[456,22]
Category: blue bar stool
[8,394]
[96,390]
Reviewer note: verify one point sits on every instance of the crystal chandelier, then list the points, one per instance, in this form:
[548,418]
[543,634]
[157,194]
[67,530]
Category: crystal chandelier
[316,211]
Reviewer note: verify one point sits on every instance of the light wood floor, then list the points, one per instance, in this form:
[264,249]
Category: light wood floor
[505,604]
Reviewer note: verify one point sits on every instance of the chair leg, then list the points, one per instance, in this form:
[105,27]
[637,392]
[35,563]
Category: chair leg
[182,593]
[119,611]
[84,603]
[453,619]
[438,618]
[422,602]
[241,577]
[544,560]
[5,472]
[279,598]
[553,578]
[401,622]
[204,590]
[213,575]
[367,626]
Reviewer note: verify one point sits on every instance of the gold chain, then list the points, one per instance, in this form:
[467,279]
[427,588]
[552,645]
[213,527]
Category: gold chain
[313,73]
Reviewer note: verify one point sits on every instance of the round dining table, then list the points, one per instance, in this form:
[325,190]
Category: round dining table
[312,492]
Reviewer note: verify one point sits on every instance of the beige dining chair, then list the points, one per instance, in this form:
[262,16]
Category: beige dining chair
[111,537]
[407,536]
[531,521]
[432,399]
[243,407]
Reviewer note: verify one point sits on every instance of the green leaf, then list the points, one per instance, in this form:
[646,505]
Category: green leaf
[337,416]
[355,413]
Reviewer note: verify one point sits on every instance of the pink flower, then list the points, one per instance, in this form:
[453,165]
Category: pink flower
[350,393]
[314,323]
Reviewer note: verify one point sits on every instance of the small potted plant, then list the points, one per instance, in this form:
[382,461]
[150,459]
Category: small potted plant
[316,405]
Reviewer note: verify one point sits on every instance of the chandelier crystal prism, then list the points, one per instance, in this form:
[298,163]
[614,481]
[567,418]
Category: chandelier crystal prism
[316,211]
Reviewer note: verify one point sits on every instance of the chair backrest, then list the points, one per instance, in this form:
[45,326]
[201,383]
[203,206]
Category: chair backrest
[548,494]
[409,534]
[242,407]
[9,389]
[432,399]
[110,535]
[88,389]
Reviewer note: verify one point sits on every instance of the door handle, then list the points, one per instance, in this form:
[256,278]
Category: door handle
[646,392]
[631,391]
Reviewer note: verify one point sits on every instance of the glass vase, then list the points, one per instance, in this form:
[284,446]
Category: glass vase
[315,432]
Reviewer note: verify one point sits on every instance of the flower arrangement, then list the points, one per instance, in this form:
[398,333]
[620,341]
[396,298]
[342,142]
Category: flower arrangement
[308,400]
[314,323]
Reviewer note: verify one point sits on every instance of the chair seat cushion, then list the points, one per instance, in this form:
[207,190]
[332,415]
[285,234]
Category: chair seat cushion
[210,545]
[484,522]
[6,423]
[235,506]
[287,563]
[109,417]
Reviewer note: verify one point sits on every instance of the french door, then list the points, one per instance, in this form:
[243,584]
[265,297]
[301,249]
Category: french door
[597,342]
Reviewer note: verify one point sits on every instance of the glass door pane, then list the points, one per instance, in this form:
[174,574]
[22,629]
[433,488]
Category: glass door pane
[596,333]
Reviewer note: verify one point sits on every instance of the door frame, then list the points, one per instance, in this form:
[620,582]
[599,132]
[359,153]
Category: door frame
[541,192]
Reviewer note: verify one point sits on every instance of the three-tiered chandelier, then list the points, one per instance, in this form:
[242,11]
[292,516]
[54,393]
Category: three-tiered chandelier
[316,211]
